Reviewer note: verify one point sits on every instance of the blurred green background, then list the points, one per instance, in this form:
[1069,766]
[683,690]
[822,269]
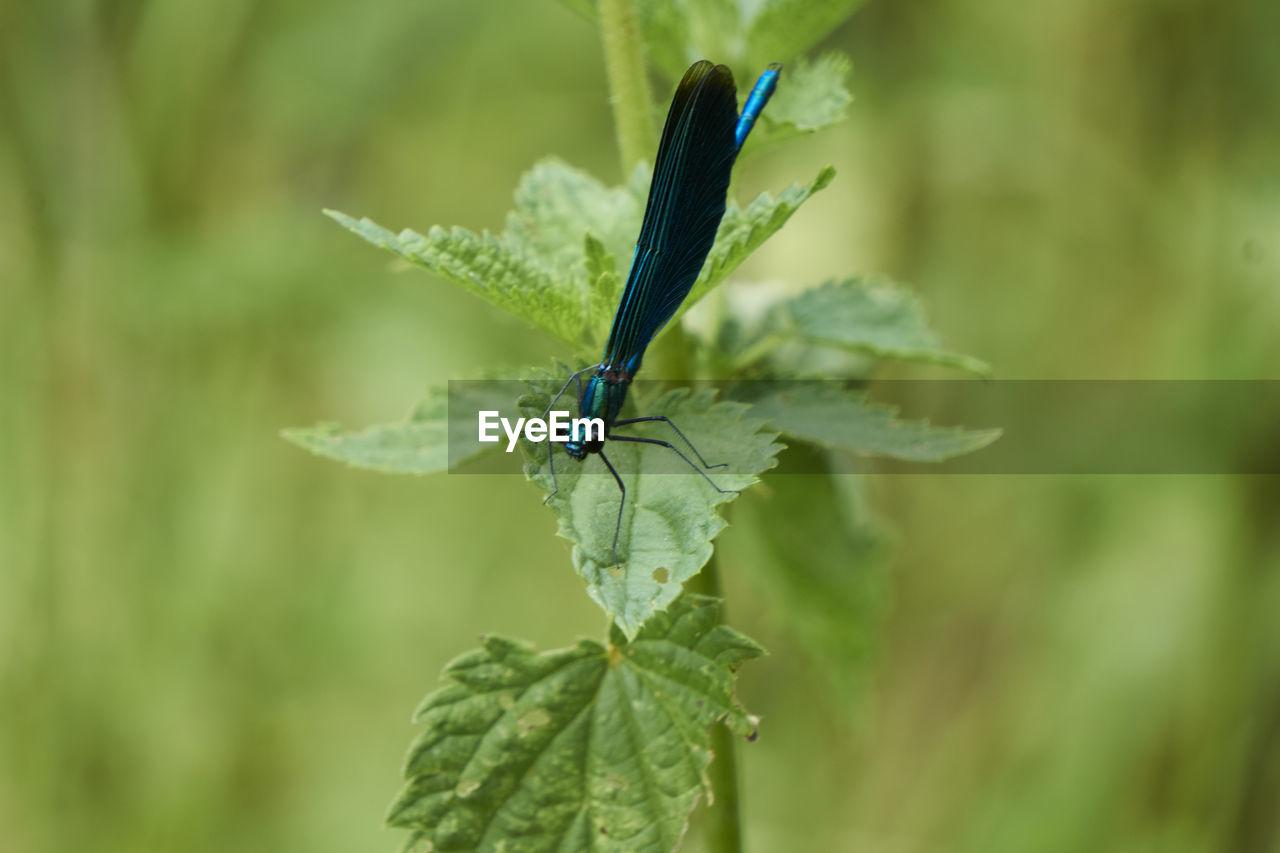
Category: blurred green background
[212,641]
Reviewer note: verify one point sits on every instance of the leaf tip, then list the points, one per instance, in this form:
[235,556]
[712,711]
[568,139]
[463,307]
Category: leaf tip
[985,437]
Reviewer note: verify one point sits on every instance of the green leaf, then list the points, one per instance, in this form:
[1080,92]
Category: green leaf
[812,95]
[606,283]
[534,269]
[416,445]
[556,204]
[873,316]
[830,415]
[590,748]
[669,517]
[555,264]
[426,441]
[743,231]
[485,266]
[783,29]
[807,540]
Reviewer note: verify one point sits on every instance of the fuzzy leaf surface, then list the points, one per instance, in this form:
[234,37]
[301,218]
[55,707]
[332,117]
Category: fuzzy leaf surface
[811,96]
[535,269]
[669,517]
[560,262]
[873,316]
[600,749]
[487,266]
[425,441]
[742,231]
[418,444]
[832,416]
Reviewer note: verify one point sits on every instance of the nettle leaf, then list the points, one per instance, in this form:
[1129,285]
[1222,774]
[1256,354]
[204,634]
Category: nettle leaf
[869,315]
[419,444]
[426,441]
[591,748]
[556,263]
[743,231]
[556,204]
[534,269]
[782,29]
[828,414]
[808,541]
[813,95]
[669,517]
[606,283]
[487,267]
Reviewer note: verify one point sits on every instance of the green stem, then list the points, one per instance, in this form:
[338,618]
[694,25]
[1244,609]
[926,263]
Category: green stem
[722,830]
[632,117]
[628,85]
[632,114]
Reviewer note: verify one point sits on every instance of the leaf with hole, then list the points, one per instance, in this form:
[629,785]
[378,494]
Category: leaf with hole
[669,517]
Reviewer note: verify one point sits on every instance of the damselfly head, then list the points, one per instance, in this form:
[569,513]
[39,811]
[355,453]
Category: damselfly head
[578,449]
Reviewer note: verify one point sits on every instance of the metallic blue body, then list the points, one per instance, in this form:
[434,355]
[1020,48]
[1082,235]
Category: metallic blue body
[700,141]
[602,399]
[761,92]
[686,203]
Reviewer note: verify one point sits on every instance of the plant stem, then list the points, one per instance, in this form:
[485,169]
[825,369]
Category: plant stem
[632,119]
[628,85]
[633,125]
[722,830]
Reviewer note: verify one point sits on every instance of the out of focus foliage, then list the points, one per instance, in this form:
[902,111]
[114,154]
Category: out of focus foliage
[207,638]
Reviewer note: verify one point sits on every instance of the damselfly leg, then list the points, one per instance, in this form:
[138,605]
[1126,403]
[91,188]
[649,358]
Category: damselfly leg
[666,420]
[551,461]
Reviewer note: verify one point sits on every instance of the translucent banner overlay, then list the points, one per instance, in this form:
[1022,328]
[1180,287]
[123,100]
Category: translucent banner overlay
[905,427]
